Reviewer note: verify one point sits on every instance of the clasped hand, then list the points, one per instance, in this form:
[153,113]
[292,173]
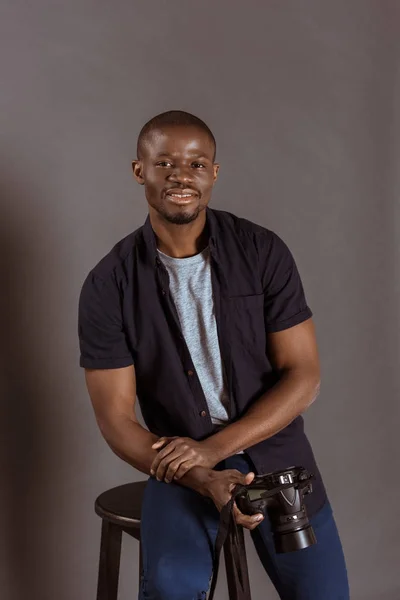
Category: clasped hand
[177,455]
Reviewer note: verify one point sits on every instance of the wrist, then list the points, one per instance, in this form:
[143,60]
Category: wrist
[215,449]
[198,479]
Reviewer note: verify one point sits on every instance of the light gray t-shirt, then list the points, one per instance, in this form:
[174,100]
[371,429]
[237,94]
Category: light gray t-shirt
[190,285]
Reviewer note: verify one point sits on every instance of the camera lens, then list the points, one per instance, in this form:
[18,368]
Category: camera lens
[294,540]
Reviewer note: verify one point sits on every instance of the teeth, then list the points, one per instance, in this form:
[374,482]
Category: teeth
[181,195]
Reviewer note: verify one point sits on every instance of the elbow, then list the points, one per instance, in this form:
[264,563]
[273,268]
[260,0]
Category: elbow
[110,432]
[105,427]
[315,391]
[310,390]
[112,439]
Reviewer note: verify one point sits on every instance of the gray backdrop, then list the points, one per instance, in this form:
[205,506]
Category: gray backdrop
[303,97]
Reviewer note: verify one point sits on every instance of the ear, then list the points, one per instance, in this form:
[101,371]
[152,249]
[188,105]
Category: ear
[216,169]
[137,169]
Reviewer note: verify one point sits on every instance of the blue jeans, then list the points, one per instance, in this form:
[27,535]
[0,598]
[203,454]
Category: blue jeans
[178,532]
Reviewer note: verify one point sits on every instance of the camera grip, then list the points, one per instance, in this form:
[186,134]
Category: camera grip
[247,507]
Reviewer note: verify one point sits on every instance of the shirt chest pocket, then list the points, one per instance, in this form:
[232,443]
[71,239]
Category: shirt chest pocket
[246,320]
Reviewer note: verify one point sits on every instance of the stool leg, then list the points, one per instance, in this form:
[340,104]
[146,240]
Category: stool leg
[135,533]
[233,583]
[110,554]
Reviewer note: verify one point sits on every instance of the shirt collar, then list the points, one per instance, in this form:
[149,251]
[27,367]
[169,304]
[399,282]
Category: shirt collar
[151,241]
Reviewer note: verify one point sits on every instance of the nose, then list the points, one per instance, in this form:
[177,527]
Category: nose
[181,175]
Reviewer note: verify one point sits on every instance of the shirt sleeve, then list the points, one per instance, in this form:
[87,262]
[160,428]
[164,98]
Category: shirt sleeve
[285,303]
[102,339]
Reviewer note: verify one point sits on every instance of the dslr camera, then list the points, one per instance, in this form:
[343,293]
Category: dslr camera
[280,495]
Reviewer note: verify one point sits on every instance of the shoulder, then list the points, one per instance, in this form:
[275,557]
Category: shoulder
[118,259]
[110,277]
[264,239]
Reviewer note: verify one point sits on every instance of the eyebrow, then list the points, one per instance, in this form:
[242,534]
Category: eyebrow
[196,156]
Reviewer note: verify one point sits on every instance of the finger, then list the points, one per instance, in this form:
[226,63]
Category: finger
[160,456]
[236,477]
[163,440]
[181,465]
[176,453]
[174,450]
[162,468]
[184,468]
[160,471]
[247,521]
[257,517]
[175,444]
[159,443]
[248,478]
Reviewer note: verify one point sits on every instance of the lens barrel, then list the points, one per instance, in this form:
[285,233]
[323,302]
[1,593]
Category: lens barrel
[294,540]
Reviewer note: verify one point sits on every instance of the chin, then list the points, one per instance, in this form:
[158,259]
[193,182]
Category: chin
[180,216]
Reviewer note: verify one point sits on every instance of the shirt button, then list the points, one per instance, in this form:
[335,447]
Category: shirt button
[203,413]
[163,292]
[190,373]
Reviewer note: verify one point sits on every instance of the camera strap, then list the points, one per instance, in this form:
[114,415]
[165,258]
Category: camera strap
[228,529]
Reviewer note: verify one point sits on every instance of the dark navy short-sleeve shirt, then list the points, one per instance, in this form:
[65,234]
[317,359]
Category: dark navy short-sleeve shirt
[127,316]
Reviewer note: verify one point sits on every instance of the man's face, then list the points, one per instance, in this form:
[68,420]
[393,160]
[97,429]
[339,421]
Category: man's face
[178,172]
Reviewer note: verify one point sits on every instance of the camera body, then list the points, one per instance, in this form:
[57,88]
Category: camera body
[280,496]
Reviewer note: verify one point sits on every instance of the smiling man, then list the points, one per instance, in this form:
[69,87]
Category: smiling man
[202,316]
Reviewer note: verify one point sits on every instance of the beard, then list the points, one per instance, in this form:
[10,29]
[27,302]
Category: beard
[180,217]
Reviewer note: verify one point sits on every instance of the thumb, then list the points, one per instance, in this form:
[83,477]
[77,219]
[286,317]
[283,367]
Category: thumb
[164,440]
[159,442]
[241,479]
[247,479]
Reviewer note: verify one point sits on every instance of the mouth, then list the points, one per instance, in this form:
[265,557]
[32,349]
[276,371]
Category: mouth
[180,196]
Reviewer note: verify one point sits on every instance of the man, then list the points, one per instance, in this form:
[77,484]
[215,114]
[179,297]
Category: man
[202,316]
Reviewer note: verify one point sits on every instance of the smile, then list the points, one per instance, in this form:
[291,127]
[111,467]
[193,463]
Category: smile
[180,195]
[180,198]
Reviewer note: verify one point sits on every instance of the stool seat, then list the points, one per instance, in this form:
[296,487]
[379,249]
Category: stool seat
[120,510]
[122,505]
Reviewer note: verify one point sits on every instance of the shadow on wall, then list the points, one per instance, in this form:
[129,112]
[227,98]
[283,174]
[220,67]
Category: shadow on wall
[30,469]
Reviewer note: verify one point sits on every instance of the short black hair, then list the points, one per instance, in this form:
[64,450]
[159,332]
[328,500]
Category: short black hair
[172,118]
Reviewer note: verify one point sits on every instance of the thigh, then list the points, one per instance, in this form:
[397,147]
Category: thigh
[309,574]
[178,531]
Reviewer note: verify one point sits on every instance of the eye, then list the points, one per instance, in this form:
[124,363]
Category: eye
[198,165]
[164,163]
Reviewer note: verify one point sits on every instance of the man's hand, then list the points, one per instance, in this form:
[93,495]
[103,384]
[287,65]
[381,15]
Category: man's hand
[219,488]
[177,455]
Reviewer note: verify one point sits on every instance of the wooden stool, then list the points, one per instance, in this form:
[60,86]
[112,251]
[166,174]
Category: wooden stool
[120,510]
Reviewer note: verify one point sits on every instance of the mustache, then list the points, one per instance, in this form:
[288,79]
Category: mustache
[181,190]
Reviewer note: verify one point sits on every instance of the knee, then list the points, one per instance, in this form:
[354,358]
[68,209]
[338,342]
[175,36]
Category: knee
[171,581]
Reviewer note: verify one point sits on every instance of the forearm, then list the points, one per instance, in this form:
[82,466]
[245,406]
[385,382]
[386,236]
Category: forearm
[132,443]
[271,413]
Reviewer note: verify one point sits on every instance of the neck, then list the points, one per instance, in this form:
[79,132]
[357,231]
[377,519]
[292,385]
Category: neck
[180,241]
